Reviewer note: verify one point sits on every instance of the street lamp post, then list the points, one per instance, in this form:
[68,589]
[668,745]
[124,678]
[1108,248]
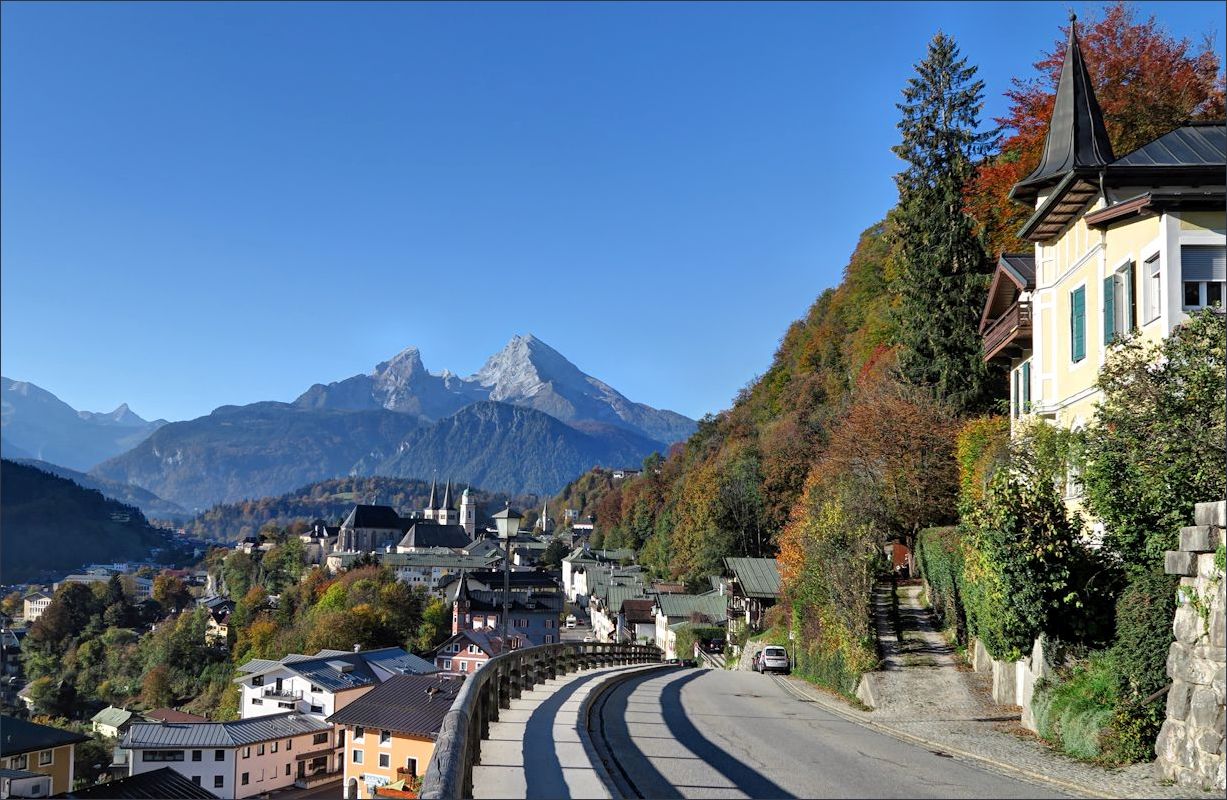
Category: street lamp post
[508,523]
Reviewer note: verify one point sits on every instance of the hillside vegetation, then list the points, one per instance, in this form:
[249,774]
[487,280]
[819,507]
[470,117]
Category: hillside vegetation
[49,523]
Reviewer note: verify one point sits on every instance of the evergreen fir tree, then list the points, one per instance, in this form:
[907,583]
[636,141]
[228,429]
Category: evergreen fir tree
[939,254]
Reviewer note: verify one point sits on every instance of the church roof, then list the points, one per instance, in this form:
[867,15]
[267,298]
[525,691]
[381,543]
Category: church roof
[364,516]
[424,533]
[1077,138]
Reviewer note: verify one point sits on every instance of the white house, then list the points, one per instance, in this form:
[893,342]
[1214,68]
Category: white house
[34,604]
[237,759]
[322,684]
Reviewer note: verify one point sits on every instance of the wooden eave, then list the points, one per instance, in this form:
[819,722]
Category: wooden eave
[1153,203]
[990,304]
[1060,209]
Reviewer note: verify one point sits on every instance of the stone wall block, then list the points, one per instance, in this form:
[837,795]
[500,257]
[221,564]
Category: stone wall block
[1199,538]
[981,661]
[1187,626]
[1005,683]
[1178,562]
[1203,707]
[1211,514]
[1206,571]
[1178,700]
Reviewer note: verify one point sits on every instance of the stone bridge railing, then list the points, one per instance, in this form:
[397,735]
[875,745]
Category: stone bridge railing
[449,776]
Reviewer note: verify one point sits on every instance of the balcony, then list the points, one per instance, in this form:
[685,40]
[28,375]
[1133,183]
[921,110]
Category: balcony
[1008,335]
[282,694]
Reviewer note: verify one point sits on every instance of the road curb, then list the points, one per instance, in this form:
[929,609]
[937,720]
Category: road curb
[932,744]
[602,688]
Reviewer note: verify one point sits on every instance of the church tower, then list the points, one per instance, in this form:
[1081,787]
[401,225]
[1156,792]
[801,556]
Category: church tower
[460,609]
[545,517]
[468,514]
[447,514]
[432,505]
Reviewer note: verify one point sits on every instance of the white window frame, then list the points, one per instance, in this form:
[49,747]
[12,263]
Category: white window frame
[1152,288]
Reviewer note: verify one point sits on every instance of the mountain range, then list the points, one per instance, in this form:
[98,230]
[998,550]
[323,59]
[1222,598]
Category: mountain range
[528,421]
[35,424]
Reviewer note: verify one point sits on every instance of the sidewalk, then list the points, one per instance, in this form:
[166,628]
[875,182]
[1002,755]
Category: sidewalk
[542,730]
[922,696]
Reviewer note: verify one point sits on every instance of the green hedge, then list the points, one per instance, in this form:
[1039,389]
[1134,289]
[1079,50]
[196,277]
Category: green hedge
[939,560]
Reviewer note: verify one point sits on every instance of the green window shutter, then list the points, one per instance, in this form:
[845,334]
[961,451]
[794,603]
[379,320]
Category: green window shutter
[1026,388]
[1109,309]
[1077,324]
[1131,300]
[1017,404]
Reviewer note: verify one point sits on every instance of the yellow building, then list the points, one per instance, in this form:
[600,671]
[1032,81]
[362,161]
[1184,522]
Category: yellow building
[26,747]
[1124,245]
[390,732]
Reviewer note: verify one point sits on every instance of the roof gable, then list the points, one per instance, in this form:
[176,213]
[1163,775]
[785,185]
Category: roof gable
[758,577]
[408,704]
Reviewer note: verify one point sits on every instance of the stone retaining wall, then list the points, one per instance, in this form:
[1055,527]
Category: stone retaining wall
[1014,681]
[1190,747]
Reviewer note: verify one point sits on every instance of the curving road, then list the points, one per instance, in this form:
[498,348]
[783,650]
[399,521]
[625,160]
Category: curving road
[715,733]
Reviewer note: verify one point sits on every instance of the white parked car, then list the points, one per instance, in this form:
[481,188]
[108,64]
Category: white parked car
[570,620]
[772,658]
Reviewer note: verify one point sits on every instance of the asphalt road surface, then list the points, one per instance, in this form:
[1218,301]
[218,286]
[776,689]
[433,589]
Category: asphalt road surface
[717,733]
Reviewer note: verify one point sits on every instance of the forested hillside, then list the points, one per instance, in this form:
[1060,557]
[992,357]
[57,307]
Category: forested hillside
[50,523]
[330,501]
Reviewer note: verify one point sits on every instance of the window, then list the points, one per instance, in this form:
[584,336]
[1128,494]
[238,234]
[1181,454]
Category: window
[315,688]
[1204,272]
[246,752]
[1077,324]
[411,764]
[317,709]
[289,743]
[197,755]
[549,639]
[474,648]
[218,781]
[385,738]
[285,705]
[287,770]
[359,732]
[260,750]
[245,779]
[161,755]
[1119,312]
[258,680]
[447,663]
[322,738]
[1026,388]
[385,760]
[219,755]
[255,701]
[462,666]
[45,757]
[1152,289]
[196,779]
[275,747]
[23,761]
[357,757]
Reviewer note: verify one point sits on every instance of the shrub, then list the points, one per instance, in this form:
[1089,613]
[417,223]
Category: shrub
[982,445]
[1155,446]
[1074,711]
[1144,616]
[939,559]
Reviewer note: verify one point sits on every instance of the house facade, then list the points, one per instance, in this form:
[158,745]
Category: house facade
[675,610]
[26,747]
[238,759]
[322,684]
[391,732]
[754,587]
[33,605]
[1127,245]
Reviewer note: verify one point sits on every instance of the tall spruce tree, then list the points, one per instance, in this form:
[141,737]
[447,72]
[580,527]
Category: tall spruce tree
[942,267]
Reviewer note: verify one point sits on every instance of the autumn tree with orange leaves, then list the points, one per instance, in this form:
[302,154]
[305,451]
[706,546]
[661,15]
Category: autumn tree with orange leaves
[1147,82]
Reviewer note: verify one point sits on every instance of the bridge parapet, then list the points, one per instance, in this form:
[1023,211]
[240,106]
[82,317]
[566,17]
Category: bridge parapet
[449,776]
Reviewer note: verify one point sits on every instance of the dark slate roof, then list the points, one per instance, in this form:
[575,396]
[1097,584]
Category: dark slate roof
[146,735]
[493,579]
[19,736]
[159,783]
[431,534]
[521,602]
[409,704]
[1021,267]
[364,516]
[1195,145]
[1077,137]
[490,643]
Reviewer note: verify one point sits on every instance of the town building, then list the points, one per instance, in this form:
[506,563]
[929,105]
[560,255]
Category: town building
[112,721]
[637,621]
[576,582]
[754,587]
[237,759]
[1123,245]
[163,783]
[467,651]
[533,619]
[391,732]
[534,581]
[24,783]
[27,747]
[141,588]
[33,606]
[430,570]
[319,685]
[672,611]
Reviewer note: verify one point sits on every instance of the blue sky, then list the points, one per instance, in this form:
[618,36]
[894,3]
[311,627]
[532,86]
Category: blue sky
[222,203]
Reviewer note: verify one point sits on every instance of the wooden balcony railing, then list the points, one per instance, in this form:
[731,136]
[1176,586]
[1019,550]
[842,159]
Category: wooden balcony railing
[1011,331]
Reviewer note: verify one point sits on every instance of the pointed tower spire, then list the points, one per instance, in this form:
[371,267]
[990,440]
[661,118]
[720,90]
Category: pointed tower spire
[1077,137]
[545,516]
[432,504]
[447,496]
